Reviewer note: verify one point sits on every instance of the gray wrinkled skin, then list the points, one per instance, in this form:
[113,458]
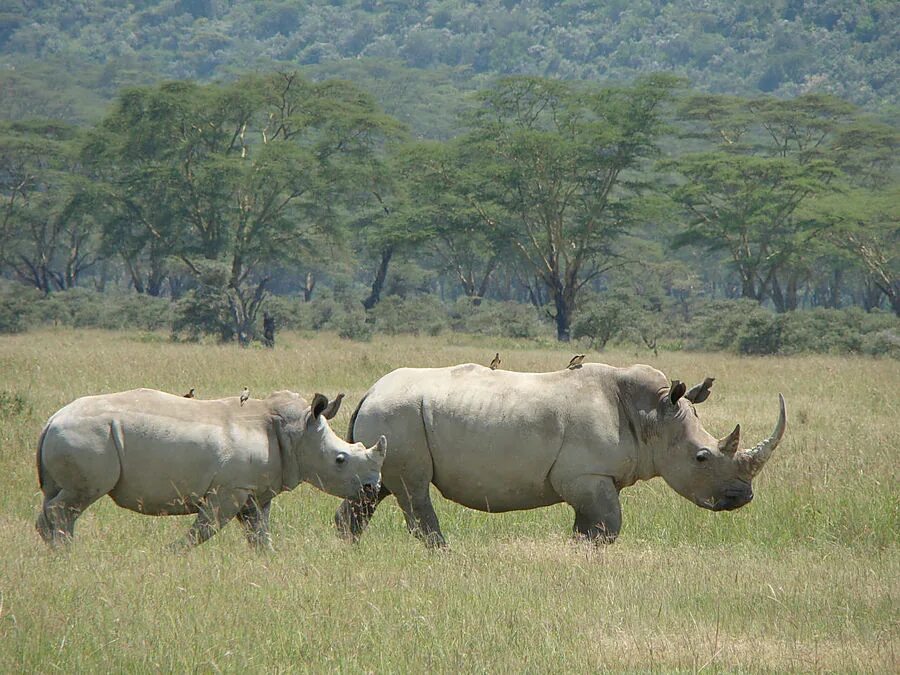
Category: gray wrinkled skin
[503,441]
[160,454]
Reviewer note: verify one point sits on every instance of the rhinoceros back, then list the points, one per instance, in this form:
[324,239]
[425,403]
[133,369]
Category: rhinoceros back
[152,452]
[492,436]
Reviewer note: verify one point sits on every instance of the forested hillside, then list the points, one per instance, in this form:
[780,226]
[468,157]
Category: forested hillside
[680,174]
[63,58]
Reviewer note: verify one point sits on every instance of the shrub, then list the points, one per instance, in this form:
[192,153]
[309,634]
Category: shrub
[353,326]
[731,325]
[502,319]
[601,319]
[17,307]
[882,343]
[202,311]
[415,316]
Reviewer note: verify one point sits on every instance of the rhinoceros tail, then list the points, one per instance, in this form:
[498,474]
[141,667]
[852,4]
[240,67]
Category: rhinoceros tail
[40,461]
[353,420]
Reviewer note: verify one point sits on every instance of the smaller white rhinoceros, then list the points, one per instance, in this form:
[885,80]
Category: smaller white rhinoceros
[160,454]
[495,440]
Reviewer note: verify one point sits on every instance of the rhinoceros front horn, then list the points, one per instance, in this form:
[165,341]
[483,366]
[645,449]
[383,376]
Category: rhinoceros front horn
[757,456]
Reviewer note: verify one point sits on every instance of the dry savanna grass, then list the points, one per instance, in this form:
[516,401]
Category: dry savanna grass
[806,578]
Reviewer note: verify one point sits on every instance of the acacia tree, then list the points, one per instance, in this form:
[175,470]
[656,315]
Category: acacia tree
[749,195]
[47,233]
[233,180]
[467,232]
[556,158]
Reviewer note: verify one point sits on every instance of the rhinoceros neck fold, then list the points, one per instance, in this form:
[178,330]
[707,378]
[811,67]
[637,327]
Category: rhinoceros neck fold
[644,438]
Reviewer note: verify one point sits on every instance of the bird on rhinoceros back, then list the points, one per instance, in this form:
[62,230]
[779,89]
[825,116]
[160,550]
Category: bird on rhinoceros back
[157,454]
[495,362]
[190,394]
[576,361]
[245,395]
[505,441]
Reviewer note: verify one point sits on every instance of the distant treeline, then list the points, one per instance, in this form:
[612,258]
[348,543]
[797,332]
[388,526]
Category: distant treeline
[570,197]
[737,326]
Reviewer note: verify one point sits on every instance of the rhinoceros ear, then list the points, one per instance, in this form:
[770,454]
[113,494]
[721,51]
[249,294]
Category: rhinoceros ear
[676,391]
[700,392]
[332,409]
[319,404]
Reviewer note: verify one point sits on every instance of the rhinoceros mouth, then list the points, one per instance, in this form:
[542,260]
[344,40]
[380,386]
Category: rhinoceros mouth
[730,500]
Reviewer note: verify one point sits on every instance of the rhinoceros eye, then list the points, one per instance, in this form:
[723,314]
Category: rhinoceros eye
[703,455]
[341,458]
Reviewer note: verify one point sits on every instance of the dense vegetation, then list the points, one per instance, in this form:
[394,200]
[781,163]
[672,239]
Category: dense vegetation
[614,210]
[787,47]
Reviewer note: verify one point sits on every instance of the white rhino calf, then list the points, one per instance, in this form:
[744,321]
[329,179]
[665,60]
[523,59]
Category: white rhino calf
[496,440]
[160,454]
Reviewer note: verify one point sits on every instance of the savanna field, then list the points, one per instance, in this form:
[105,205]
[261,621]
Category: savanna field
[805,578]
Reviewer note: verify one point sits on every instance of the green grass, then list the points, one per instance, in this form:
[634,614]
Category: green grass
[806,578]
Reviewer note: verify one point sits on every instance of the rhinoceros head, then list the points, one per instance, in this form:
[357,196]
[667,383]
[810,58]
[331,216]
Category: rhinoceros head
[312,452]
[713,473]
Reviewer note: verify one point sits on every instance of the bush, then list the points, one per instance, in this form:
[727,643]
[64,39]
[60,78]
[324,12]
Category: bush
[882,343]
[17,305]
[415,316]
[202,311]
[501,319]
[601,319]
[745,327]
[731,325]
[353,326]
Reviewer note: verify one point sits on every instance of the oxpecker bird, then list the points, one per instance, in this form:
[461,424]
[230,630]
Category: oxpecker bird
[496,362]
[245,394]
[576,361]
[190,394]
[700,392]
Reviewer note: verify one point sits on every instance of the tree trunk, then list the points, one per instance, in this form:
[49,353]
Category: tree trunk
[563,316]
[380,276]
[308,288]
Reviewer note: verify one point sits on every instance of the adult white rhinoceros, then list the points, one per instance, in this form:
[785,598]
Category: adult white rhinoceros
[160,454]
[502,441]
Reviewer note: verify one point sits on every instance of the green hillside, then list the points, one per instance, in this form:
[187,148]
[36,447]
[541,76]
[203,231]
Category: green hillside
[65,59]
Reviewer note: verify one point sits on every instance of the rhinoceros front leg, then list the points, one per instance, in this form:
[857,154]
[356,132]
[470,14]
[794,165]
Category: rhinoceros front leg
[598,513]
[421,520]
[216,509]
[255,519]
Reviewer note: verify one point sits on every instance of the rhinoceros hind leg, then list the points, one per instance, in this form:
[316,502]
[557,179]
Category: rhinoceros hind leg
[216,509]
[255,519]
[421,520]
[56,522]
[598,513]
[353,515]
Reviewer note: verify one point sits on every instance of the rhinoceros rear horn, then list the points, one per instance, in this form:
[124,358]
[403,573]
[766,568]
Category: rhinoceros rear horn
[380,448]
[757,456]
[730,444]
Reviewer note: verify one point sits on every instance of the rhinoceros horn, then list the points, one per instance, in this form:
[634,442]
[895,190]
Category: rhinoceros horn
[757,456]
